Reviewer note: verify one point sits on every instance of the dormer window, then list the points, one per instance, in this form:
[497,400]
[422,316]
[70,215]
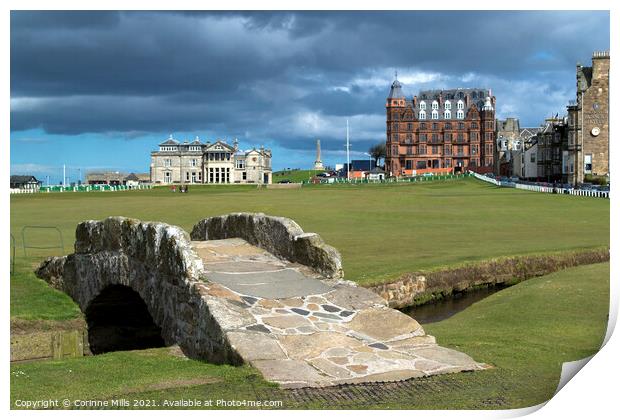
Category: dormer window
[167,148]
[447,114]
[460,114]
[435,105]
[460,105]
[435,114]
[423,105]
[422,115]
[447,105]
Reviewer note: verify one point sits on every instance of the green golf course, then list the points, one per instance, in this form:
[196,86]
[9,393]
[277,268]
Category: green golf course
[525,332]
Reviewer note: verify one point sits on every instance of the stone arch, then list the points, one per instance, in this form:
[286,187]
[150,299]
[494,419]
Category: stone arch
[118,319]
[156,261]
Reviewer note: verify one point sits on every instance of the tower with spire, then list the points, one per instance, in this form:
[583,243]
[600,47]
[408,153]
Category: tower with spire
[394,107]
[318,164]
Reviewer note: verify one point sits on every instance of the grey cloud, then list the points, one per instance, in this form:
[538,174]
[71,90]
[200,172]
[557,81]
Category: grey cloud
[253,72]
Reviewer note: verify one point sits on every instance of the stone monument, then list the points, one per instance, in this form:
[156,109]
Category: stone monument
[318,164]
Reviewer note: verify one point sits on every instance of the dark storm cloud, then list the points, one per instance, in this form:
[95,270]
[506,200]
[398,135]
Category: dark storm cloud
[284,76]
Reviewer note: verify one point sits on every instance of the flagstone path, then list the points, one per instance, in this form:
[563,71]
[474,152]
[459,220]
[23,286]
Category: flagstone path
[300,329]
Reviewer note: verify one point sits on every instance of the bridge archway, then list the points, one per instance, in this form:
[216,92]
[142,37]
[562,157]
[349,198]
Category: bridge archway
[118,319]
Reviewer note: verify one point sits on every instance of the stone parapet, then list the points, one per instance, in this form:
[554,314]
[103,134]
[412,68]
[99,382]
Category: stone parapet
[157,261]
[278,235]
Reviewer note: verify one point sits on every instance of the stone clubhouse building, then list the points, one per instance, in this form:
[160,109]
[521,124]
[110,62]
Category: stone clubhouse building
[209,163]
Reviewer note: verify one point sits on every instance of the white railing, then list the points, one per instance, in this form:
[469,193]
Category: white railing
[537,188]
[559,190]
[82,188]
[486,179]
[542,189]
[589,193]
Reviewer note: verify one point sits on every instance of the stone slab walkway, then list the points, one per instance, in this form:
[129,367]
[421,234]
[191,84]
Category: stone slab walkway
[300,329]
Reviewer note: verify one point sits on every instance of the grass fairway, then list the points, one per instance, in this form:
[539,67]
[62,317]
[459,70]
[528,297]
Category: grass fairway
[526,331]
[32,299]
[300,175]
[382,230]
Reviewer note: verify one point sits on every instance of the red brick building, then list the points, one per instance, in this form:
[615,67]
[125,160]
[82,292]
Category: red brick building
[440,130]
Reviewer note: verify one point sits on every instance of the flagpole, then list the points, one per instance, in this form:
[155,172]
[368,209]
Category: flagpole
[348,160]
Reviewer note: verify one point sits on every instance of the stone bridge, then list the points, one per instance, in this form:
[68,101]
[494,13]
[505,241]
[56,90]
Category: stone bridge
[244,288]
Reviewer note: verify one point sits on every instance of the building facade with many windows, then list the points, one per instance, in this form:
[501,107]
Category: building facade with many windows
[209,163]
[587,153]
[551,141]
[441,130]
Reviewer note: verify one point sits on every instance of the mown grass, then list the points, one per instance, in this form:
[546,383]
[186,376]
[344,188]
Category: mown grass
[295,176]
[33,300]
[382,231]
[526,332]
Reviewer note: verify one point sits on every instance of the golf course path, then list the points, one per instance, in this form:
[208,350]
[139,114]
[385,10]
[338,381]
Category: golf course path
[300,329]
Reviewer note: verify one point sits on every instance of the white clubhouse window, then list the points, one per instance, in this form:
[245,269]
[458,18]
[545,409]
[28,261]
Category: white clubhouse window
[193,162]
[167,162]
[167,177]
[240,164]
[168,148]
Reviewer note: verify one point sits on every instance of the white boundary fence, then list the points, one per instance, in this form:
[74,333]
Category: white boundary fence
[23,191]
[82,188]
[486,179]
[537,188]
[542,189]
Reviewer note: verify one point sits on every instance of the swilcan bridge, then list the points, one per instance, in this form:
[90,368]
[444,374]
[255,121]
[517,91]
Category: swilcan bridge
[242,288]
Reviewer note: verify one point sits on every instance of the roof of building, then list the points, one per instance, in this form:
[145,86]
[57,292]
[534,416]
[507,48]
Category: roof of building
[23,179]
[220,143]
[138,177]
[396,90]
[106,175]
[479,97]
[360,165]
[475,94]
[169,142]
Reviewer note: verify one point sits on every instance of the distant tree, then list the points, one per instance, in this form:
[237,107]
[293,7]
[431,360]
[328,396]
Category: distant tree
[377,152]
